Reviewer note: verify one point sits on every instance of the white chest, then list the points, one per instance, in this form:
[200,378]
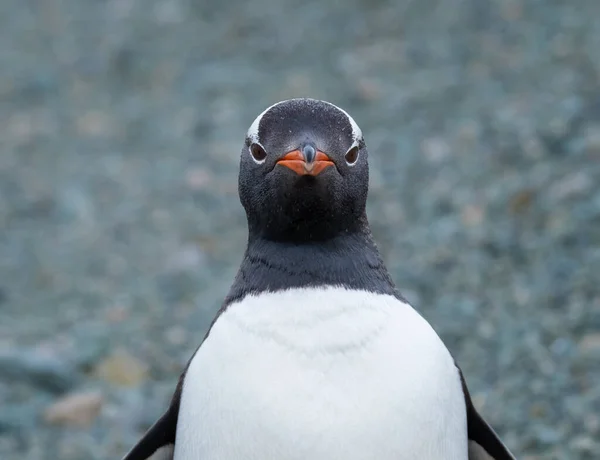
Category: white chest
[321,374]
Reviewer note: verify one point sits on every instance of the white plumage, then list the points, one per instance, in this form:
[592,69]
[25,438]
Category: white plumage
[322,374]
[252,132]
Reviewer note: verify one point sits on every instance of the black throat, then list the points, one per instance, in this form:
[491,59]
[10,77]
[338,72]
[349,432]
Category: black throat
[349,260]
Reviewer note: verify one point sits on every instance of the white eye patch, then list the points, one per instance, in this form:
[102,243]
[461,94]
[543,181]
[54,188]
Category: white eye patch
[252,134]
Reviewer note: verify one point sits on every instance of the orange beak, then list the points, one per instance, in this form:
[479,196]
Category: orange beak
[296,162]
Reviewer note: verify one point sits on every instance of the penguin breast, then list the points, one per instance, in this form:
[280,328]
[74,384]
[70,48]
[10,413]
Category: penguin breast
[321,373]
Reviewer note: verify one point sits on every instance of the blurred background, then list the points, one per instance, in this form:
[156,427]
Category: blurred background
[121,229]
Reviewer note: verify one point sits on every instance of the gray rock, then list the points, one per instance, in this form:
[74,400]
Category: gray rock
[44,372]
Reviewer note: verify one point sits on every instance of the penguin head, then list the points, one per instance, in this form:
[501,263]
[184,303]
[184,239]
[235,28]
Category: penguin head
[303,172]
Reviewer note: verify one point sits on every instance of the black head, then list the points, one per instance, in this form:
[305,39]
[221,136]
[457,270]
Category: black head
[304,173]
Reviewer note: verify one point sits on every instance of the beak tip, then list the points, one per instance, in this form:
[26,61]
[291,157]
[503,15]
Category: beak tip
[309,153]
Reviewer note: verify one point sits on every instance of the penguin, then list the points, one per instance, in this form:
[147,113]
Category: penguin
[315,354]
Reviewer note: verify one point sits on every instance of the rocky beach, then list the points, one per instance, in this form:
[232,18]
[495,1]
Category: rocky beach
[121,228]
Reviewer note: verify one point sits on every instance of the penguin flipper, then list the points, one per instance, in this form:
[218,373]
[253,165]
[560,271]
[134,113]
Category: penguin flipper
[158,443]
[484,443]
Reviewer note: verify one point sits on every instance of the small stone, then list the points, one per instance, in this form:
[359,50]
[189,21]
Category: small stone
[73,203]
[512,10]
[590,343]
[468,132]
[93,123]
[44,371]
[122,368]
[472,215]
[117,314]
[187,258]
[537,411]
[121,9]
[435,149]
[561,346]
[583,444]
[368,90]
[486,329]
[184,121]
[86,353]
[592,423]
[297,83]
[561,45]
[532,147]
[168,12]
[521,201]
[576,184]
[198,179]
[177,286]
[592,138]
[547,435]
[77,409]
[558,126]
[3,295]
[16,418]
[161,218]
[522,295]
[176,335]
[21,126]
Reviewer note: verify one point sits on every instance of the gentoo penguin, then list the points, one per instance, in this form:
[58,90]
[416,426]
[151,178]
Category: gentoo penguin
[314,353]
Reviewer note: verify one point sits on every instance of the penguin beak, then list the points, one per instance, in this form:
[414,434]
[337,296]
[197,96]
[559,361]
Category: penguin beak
[307,161]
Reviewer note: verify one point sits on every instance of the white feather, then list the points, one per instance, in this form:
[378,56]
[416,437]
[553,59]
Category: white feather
[322,374]
[163,453]
[476,452]
[356,131]
[252,133]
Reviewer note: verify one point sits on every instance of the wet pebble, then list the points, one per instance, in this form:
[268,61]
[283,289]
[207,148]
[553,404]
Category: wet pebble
[76,409]
[121,368]
[48,373]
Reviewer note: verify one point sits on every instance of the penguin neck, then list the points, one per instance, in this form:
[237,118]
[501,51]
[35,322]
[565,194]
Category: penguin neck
[348,260]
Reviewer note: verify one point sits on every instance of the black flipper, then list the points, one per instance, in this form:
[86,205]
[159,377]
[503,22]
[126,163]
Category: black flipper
[484,443]
[158,443]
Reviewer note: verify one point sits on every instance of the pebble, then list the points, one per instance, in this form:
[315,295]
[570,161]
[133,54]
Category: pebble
[472,215]
[521,201]
[88,348]
[121,368]
[45,372]
[176,335]
[198,179]
[94,124]
[186,258]
[76,409]
[590,344]
[177,286]
[117,313]
[73,204]
[578,183]
[16,418]
[435,149]
[592,138]
[547,435]
[592,423]
[584,444]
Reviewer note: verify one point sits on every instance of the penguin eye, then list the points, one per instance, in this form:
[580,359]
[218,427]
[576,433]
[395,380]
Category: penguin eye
[352,155]
[258,152]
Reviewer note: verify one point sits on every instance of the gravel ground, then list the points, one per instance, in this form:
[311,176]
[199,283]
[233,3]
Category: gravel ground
[121,230]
